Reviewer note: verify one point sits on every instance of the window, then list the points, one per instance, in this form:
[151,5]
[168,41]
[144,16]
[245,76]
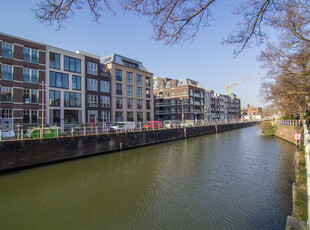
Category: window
[6,94]
[184,91]
[139,116]
[118,74]
[161,87]
[72,99]
[119,104]
[105,86]
[119,89]
[139,79]
[139,92]
[7,50]
[139,104]
[147,81]
[130,64]
[76,82]
[30,75]
[129,90]
[92,100]
[172,93]
[148,105]
[118,116]
[92,68]
[54,60]
[129,103]
[172,85]
[105,115]
[72,64]
[71,116]
[191,92]
[59,80]
[148,93]
[54,98]
[130,116]
[30,96]
[167,94]
[148,116]
[30,116]
[92,84]
[31,55]
[7,113]
[129,77]
[178,92]
[105,101]
[7,72]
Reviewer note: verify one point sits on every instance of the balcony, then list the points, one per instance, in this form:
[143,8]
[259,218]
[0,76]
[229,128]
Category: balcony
[159,104]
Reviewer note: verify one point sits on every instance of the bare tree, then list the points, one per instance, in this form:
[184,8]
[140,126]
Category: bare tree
[61,11]
[173,21]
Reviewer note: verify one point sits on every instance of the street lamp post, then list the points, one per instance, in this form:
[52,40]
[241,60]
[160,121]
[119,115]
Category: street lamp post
[42,132]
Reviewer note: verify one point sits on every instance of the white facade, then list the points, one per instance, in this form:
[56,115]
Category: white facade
[65,88]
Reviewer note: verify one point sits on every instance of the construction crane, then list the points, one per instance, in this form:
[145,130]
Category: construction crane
[240,82]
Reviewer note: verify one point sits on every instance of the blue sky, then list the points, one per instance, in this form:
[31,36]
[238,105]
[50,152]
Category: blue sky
[204,60]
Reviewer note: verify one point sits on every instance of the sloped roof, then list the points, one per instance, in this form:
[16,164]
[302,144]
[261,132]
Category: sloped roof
[122,60]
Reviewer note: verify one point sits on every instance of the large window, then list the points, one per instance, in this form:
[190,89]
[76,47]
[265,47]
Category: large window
[7,113]
[30,117]
[118,116]
[72,64]
[7,72]
[139,79]
[76,82]
[92,84]
[119,89]
[119,103]
[184,91]
[129,103]
[105,115]
[139,116]
[105,101]
[139,104]
[92,68]
[104,86]
[139,92]
[71,116]
[129,77]
[31,55]
[54,98]
[130,116]
[92,100]
[59,80]
[129,90]
[30,96]
[118,74]
[6,94]
[7,50]
[30,75]
[54,60]
[72,99]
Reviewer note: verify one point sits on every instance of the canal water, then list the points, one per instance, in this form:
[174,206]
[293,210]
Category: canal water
[231,180]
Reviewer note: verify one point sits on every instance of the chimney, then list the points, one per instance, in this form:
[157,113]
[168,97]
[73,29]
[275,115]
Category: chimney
[248,105]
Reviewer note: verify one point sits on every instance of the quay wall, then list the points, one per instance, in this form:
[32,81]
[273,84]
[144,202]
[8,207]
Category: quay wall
[287,132]
[28,153]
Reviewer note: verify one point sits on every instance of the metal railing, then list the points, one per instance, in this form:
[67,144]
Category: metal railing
[307,153]
[289,122]
[20,133]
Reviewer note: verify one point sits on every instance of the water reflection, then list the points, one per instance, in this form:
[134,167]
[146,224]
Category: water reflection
[230,180]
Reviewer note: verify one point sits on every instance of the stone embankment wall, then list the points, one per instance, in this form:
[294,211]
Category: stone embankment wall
[26,153]
[287,132]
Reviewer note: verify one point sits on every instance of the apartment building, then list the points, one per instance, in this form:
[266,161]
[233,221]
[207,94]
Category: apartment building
[131,89]
[252,112]
[65,88]
[221,108]
[97,91]
[22,76]
[181,99]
